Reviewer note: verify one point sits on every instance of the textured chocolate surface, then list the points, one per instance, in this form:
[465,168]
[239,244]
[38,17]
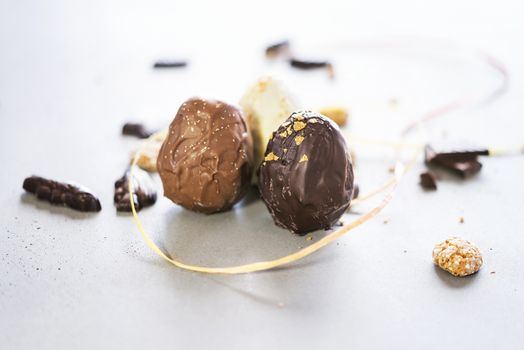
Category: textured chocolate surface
[306,179]
[206,160]
[62,193]
[144,190]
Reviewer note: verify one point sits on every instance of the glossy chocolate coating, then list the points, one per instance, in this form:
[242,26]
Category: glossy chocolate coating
[306,179]
[206,161]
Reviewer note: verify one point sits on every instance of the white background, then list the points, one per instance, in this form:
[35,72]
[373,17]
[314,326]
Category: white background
[72,73]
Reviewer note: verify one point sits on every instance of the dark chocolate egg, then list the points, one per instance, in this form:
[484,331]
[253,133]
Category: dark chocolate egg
[206,161]
[306,178]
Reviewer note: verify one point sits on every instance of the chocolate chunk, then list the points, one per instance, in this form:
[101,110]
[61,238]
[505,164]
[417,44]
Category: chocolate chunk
[62,193]
[428,181]
[461,163]
[206,161]
[170,64]
[144,193]
[135,129]
[281,48]
[306,179]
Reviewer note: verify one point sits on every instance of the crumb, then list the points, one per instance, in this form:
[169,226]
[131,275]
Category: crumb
[461,219]
[386,221]
[457,256]
[391,169]
[309,238]
[492,272]
[405,251]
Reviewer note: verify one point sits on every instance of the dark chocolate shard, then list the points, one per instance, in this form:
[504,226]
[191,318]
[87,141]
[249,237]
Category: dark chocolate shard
[454,156]
[428,181]
[144,190]
[62,193]
[301,64]
[309,65]
[462,163]
[278,49]
[136,129]
[170,64]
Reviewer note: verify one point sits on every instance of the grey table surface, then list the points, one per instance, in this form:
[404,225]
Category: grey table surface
[71,74]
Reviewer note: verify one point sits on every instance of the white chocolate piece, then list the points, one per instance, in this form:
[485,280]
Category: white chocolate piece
[266,104]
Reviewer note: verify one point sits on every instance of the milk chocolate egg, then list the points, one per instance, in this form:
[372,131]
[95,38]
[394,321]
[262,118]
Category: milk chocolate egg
[206,160]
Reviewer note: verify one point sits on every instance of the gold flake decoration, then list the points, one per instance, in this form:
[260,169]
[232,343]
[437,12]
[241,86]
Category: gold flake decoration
[303,159]
[299,139]
[271,156]
[299,126]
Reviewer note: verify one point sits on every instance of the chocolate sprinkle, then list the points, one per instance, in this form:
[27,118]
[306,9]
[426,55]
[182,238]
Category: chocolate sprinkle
[136,129]
[62,193]
[306,179]
[144,191]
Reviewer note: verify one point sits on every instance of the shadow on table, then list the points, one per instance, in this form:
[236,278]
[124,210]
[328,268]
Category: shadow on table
[243,235]
[30,199]
[453,281]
